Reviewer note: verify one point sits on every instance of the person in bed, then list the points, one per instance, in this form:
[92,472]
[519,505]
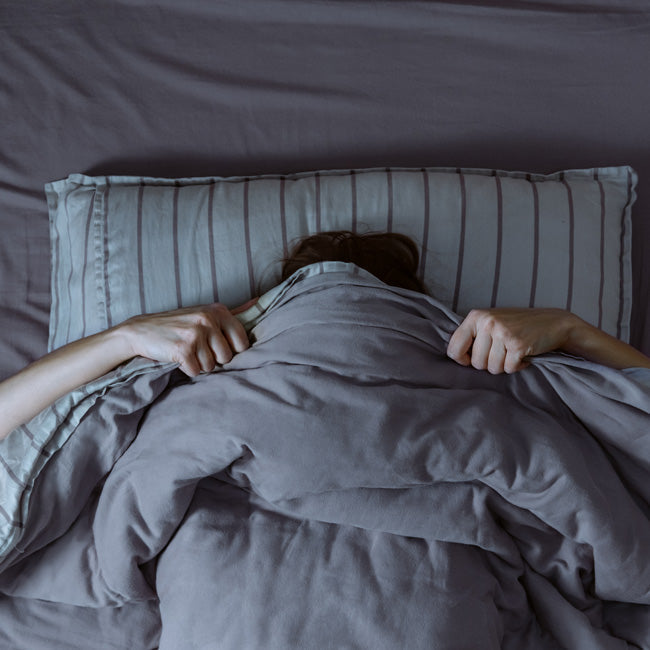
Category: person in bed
[199,338]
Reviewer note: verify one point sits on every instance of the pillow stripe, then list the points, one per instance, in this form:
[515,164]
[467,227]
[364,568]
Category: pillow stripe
[89,217]
[283,216]
[425,232]
[317,201]
[26,430]
[389,193]
[353,183]
[143,304]
[63,261]
[106,285]
[461,242]
[621,277]
[497,263]
[213,260]
[601,288]
[69,282]
[10,473]
[56,269]
[534,272]
[177,264]
[482,241]
[247,237]
[569,298]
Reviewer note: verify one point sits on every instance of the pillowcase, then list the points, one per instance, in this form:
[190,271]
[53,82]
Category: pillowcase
[126,245]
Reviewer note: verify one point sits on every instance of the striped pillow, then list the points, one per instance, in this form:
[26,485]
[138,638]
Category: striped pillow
[125,245]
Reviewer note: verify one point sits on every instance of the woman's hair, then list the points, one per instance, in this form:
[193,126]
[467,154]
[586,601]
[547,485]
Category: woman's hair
[391,257]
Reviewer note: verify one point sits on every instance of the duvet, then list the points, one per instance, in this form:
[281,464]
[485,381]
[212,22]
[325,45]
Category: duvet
[340,484]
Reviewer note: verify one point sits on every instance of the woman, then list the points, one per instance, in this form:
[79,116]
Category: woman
[199,338]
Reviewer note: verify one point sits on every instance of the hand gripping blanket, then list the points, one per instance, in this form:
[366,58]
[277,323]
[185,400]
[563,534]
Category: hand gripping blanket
[340,484]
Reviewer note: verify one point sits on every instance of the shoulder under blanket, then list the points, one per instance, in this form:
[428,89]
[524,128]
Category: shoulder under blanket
[344,453]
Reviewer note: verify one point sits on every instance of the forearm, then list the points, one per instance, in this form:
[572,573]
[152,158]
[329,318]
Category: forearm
[25,394]
[589,342]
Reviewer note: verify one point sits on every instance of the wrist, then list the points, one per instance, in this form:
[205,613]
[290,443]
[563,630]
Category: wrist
[575,331]
[120,340]
[591,343]
[579,336]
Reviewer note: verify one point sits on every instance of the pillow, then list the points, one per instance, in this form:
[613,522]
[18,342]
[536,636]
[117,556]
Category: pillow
[124,245]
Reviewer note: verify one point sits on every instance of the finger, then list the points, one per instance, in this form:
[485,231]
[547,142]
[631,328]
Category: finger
[205,356]
[235,333]
[515,362]
[481,350]
[183,353]
[460,344]
[220,348]
[190,365]
[496,358]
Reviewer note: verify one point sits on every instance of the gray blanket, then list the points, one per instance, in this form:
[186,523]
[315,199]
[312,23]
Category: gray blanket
[342,484]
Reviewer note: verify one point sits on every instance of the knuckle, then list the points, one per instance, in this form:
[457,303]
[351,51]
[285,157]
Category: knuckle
[202,319]
[219,309]
[491,322]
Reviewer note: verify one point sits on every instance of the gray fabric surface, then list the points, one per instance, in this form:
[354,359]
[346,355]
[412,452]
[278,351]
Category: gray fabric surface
[641,375]
[335,495]
[273,86]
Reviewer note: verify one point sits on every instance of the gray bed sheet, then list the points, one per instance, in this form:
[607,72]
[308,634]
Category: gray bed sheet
[266,86]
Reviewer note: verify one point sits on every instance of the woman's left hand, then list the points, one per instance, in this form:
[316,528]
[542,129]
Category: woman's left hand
[501,340]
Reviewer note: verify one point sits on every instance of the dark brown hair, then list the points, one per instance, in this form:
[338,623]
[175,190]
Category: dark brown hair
[391,257]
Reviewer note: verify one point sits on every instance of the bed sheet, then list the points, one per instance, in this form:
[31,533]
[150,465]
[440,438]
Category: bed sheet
[234,88]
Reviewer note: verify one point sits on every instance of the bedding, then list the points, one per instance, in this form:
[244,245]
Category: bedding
[273,88]
[641,375]
[363,492]
[123,246]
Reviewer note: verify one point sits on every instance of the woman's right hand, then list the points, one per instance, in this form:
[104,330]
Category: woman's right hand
[197,338]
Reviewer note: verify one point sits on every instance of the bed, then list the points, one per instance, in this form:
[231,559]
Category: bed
[235,128]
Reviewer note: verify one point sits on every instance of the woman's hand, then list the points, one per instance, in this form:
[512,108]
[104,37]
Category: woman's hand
[501,340]
[197,338]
